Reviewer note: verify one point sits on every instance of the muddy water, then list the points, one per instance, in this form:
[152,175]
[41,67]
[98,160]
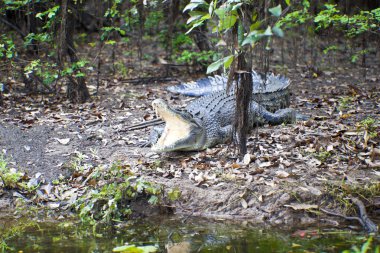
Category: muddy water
[168,235]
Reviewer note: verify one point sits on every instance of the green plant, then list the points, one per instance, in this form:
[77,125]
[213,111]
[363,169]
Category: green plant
[78,162]
[365,248]
[323,155]
[357,54]
[111,201]
[181,40]
[121,68]
[343,191]
[7,47]
[203,58]
[153,19]
[9,177]
[227,16]
[174,194]
[332,48]
[15,229]
[344,103]
[369,124]
[299,16]
[369,127]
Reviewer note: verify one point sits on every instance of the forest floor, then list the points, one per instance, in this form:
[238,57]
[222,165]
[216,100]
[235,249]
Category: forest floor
[294,171]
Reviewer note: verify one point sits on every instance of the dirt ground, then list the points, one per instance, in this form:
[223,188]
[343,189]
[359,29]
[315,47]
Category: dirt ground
[293,169]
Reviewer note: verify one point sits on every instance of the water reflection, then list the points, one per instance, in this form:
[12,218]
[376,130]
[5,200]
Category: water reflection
[168,234]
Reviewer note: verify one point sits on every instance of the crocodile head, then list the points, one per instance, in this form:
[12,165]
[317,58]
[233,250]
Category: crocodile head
[181,132]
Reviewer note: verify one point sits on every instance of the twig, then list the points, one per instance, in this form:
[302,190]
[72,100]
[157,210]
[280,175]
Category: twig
[149,80]
[363,218]
[145,124]
[366,222]
[14,27]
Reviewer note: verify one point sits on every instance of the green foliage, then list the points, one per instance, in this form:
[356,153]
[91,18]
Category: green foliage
[226,62]
[174,194]
[42,42]
[50,16]
[365,248]
[113,12]
[323,156]
[276,11]
[331,48]
[153,19]
[47,71]
[7,47]
[327,17]
[75,69]
[369,125]
[225,16]
[9,177]
[111,202]
[13,5]
[32,38]
[108,30]
[295,18]
[331,17]
[298,17]
[9,232]
[357,54]
[121,68]
[202,58]
[181,40]
[135,249]
[344,103]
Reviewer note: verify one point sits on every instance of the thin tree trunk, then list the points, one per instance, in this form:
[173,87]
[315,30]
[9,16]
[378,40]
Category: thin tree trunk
[140,10]
[243,102]
[76,88]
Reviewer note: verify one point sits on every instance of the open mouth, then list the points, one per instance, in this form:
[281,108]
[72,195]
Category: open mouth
[177,128]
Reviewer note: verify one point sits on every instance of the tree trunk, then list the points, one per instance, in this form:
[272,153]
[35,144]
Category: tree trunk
[76,87]
[141,11]
[200,38]
[243,101]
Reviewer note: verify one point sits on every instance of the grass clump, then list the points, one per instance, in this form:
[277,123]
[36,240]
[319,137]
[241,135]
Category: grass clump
[111,198]
[9,177]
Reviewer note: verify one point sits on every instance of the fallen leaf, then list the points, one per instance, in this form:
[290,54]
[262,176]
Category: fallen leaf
[244,203]
[282,174]
[247,159]
[297,206]
[265,164]
[63,141]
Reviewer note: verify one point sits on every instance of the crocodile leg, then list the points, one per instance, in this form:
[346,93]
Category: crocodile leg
[287,115]
[155,134]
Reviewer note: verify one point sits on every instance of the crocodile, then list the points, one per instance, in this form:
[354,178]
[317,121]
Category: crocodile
[273,93]
[208,120]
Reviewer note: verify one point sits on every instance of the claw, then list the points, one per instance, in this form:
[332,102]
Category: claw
[145,145]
